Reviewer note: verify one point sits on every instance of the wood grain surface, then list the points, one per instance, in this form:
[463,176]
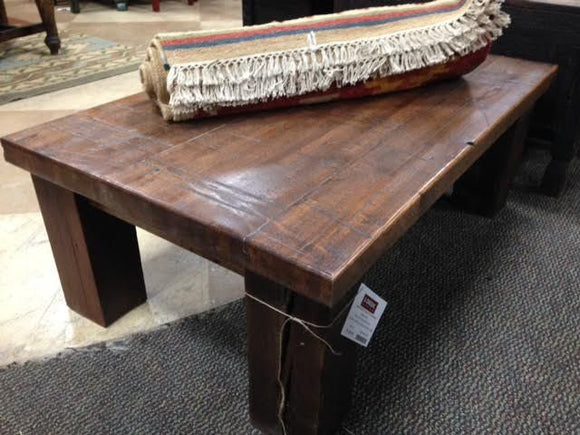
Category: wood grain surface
[307,197]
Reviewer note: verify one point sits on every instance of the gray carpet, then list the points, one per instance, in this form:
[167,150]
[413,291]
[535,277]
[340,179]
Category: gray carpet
[481,335]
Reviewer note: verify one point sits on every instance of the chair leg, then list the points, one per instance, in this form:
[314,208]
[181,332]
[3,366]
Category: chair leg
[75,6]
[156,5]
[3,15]
[46,11]
[190,2]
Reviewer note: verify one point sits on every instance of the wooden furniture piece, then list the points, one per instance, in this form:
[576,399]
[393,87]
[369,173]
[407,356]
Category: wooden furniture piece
[549,31]
[264,11]
[48,25]
[301,201]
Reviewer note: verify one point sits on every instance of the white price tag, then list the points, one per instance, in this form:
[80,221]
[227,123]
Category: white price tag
[364,315]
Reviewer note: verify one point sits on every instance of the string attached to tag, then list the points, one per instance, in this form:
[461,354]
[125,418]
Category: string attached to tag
[308,327]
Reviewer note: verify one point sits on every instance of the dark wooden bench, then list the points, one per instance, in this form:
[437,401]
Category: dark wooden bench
[300,201]
[549,31]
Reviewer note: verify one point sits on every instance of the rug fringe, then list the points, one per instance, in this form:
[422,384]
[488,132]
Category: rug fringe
[259,78]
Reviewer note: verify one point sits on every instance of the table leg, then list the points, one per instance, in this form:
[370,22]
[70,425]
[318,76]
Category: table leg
[3,15]
[96,254]
[317,384]
[556,177]
[46,11]
[563,149]
[483,189]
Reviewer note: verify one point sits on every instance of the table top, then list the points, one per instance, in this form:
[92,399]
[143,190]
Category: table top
[310,196]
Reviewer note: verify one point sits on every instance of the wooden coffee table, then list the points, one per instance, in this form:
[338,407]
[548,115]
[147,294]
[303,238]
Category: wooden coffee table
[301,202]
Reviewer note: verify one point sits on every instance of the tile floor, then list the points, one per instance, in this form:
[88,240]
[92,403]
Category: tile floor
[34,319]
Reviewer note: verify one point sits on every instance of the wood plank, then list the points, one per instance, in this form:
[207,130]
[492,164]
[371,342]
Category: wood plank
[97,255]
[308,197]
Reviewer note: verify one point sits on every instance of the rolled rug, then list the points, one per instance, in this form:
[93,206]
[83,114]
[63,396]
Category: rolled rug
[320,58]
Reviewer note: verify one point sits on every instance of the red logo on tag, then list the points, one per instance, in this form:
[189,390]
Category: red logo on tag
[369,304]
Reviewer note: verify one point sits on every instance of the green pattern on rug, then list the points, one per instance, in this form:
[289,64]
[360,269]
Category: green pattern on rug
[27,69]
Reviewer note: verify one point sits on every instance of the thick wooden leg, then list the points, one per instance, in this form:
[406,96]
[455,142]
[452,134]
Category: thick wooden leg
[483,189]
[46,11]
[97,255]
[566,131]
[317,384]
[556,177]
[563,150]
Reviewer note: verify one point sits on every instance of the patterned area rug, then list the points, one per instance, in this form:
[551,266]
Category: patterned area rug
[27,68]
